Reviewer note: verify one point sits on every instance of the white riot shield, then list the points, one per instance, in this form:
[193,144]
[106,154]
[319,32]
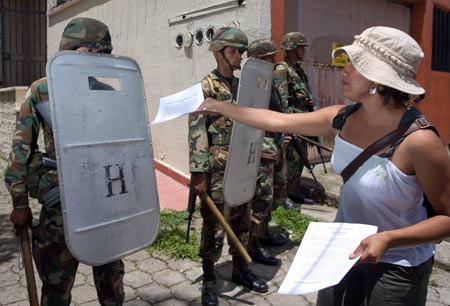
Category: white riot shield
[241,172]
[105,162]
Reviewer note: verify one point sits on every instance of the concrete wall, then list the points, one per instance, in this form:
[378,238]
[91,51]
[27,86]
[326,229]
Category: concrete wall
[146,31]
[10,100]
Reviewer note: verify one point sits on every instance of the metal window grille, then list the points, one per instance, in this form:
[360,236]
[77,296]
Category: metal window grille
[23,50]
[441,41]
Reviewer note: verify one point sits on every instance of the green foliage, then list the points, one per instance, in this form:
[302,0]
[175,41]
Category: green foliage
[291,220]
[171,238]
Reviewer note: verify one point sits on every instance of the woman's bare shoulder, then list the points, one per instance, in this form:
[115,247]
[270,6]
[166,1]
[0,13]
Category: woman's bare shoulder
[425,146]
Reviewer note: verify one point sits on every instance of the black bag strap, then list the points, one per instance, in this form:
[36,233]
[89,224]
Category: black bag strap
[339,120]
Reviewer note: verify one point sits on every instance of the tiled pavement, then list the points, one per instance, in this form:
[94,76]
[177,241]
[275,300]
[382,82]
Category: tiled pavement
[160,280]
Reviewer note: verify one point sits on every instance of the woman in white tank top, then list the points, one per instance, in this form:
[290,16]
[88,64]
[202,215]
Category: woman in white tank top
[396,262]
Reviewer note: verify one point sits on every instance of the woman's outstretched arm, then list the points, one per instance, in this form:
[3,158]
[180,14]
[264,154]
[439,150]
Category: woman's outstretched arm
[316,123]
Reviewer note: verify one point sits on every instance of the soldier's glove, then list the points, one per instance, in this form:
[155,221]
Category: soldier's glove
[199,181]
[21,219]
[287,140]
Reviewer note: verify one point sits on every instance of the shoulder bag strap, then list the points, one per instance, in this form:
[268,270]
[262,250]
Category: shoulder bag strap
[371,150]
[392,137]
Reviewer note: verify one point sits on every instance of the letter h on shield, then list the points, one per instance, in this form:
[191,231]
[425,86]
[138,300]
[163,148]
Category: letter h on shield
[252,153]
[110,180]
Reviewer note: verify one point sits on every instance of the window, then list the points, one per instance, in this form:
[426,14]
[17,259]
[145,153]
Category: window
[441,41]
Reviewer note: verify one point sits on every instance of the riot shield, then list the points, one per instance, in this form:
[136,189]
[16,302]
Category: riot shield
[104,156]
[241,172]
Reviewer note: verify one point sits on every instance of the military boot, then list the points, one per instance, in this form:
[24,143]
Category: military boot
[209,286]
[301,198]
[273,239]
[242,275]
[288,204]
[260,254]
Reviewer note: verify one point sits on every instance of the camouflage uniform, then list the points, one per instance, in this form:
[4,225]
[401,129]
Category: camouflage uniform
[55,264]
[209,139]
[271,182]
[292,86]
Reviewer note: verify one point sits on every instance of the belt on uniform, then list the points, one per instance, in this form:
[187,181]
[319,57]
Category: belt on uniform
[221,139]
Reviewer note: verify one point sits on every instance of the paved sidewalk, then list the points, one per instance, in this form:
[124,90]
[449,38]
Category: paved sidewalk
[159,280]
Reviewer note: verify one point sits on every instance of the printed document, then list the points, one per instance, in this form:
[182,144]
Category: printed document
[179,104]
[322,259]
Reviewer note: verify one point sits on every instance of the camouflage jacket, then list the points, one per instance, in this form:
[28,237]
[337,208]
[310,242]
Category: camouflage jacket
[273,142]
[206,131]
[24,144]
[270,148]
[293,91]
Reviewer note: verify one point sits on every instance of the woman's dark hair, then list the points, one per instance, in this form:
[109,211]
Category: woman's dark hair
[401,99]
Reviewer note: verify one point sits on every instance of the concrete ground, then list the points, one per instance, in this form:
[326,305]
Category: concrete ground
[160,280]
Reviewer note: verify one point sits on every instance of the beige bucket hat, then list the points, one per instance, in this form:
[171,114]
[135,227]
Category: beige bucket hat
[386,56]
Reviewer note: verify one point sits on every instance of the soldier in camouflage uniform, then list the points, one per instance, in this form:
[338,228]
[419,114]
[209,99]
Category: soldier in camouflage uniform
[271,182]
[292,83]
[55,264]
[209,140]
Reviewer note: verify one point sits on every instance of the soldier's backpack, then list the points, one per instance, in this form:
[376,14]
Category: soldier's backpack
[411,121]
[307,187]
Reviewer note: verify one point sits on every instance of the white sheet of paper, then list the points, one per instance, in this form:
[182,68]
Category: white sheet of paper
[322,258]
[179,104]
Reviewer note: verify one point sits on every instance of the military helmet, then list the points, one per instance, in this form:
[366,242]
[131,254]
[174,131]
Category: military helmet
[292,40]
[85,32]
[262,47]
[228,37]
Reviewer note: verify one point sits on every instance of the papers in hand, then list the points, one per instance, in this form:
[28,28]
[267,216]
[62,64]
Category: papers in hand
[179,104]
[322,259]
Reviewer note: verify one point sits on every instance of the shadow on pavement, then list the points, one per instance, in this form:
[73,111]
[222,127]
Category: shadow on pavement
[9,244]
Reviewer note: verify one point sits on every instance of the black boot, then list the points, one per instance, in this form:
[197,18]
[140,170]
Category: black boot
[242,275]
[273,239]
[261,255]
[209,293]
[209,287]
[301,198]
[288,204]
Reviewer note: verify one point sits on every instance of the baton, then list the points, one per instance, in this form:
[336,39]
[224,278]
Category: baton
[29,271]
[234,240]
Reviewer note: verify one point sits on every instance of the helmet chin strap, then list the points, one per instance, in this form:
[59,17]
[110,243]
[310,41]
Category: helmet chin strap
[222,52]
[293,53]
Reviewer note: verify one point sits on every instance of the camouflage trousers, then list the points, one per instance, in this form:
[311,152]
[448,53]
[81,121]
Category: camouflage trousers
[279,179]
[294,165]
[270,192]
[57,267]
[212,235]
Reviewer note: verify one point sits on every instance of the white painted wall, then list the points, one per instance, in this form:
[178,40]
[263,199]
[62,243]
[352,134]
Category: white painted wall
[140,29]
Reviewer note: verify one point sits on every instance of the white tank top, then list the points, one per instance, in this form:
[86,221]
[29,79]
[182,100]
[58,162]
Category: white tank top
[380,194]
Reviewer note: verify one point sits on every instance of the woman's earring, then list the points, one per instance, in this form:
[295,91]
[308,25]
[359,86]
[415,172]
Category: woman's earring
[373,89]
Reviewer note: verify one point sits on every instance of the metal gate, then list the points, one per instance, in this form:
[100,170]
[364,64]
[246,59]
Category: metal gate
[337,21]
[24,41]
